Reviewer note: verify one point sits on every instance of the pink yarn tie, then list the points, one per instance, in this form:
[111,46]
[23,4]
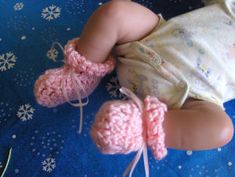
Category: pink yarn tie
[131,125]
[80,104]
[143,148]
[78,84]
[77,79]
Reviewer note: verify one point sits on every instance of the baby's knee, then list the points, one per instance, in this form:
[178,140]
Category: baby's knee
[214,125]
[222,123]
[226,131]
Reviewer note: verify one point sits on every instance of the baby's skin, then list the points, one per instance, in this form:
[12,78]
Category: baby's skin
[198,125]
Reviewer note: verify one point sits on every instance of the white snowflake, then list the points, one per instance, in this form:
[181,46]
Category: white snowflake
[113,88]
[1,165]
[25,112]
[49,165]
[50,13]
[7,61]
[18,6]
[52,54]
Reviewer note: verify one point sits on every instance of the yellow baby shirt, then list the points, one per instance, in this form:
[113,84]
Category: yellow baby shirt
[191,55]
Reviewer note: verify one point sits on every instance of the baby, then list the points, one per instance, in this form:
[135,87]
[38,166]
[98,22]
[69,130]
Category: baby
[186,62]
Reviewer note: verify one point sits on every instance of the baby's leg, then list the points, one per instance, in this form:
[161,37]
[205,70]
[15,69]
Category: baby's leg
[114,22]
[198,125]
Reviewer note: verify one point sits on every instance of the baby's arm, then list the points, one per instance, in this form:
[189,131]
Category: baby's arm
[115,22]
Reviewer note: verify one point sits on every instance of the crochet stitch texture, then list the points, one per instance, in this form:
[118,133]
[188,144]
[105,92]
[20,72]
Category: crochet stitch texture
[120,127]
[77,73]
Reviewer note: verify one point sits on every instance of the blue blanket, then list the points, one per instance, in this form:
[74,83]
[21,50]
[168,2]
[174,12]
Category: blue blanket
[45,142]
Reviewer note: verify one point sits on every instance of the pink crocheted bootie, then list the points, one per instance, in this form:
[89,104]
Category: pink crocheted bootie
[75,80]
[125,126]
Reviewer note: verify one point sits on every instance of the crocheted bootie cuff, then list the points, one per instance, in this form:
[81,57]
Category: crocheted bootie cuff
[77,79]
[81,64]
[155,113]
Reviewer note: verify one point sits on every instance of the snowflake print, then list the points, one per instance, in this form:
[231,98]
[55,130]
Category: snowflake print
[19,23]
[49,164]
[50,13]
[25,112]
[7,61]
[52,54]
[24,78]
[18,6]
[113,88]
[5,112]
[49,35]
[75,7]
[50,142]
[1,165]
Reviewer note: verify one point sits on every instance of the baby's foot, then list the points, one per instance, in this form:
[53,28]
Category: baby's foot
[77,78]
[122,127]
